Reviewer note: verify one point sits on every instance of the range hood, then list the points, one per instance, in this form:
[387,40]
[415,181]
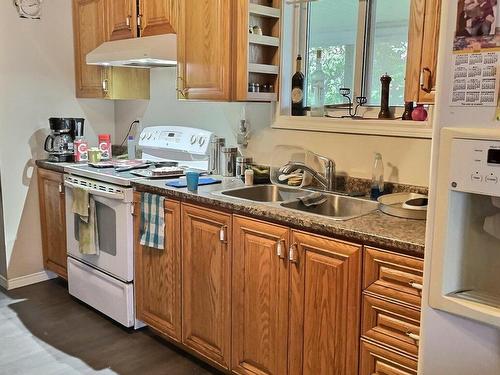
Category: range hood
[146,52]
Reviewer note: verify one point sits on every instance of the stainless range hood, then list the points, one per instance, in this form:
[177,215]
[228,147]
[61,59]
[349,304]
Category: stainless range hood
[146,52]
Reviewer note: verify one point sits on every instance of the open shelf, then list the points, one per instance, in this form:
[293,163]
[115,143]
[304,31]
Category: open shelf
[262,96]
[258,56]
[264,40]
[264,11]
[263,68]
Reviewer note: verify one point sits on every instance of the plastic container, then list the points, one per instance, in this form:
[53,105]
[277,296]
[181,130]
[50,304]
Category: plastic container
[377,185]
[131,147]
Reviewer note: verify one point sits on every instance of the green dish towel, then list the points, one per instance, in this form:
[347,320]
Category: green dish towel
[84,209]
[88,239]
[81,203]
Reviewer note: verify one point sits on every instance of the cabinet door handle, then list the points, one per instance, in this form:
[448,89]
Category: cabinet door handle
[182,91]
[292,253]
[426,80]
[413,336]
[139,23]
[280,249]
[127,21]
[105,86]
[222,233]
[415,285]
[61,188]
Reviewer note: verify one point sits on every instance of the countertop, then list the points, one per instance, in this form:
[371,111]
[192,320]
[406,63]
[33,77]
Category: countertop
[52,166]
[375,229]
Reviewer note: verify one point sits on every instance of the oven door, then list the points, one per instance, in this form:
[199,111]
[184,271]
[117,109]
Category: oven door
[115,228]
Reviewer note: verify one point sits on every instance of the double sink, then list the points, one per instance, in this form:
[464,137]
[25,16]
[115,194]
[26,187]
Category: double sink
[334,206]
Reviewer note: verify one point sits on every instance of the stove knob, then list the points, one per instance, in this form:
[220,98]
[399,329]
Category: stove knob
[149,135]
[143,136]
[194,138]
[201,141]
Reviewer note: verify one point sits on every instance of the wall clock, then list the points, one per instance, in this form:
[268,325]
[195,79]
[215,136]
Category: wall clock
[29,8]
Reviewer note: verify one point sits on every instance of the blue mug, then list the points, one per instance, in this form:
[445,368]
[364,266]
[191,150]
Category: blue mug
[192,179]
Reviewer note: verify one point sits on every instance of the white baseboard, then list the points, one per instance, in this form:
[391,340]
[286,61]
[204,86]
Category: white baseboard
[18,282]
[3,282]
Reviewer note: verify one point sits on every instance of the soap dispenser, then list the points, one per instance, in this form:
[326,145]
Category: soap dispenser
[377,185]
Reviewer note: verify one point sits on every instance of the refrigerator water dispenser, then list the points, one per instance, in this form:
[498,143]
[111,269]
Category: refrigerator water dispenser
[466,264]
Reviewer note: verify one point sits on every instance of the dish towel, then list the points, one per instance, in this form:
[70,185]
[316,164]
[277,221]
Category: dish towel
[81,203]
[152,221]
[88,239]
[84,209]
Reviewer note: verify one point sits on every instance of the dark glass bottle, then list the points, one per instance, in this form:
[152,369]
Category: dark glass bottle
[298,108]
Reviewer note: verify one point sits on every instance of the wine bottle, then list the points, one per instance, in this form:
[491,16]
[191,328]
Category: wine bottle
[298,108]
[318,80]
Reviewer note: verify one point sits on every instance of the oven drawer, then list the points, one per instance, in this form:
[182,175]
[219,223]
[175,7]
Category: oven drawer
[104,293]
[394,276]
[391,324]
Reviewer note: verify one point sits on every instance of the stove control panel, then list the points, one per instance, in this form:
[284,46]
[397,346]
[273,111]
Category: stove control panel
[178,138]
[475,166]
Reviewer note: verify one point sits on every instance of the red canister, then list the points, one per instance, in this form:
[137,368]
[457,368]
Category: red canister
[81,151]
[105,146]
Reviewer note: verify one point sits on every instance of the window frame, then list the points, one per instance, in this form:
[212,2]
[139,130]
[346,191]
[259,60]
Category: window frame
[293,42]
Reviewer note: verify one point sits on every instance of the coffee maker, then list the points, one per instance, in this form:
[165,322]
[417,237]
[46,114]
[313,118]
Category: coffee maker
[59,143]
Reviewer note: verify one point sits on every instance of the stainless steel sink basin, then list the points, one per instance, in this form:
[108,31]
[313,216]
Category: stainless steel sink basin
[337,207]
[266,193]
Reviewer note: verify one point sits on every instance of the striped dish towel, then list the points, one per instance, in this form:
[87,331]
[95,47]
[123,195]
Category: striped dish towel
[152,220]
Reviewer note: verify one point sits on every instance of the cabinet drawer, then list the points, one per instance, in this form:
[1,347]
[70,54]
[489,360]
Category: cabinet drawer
[391,324]
[376,360]
[394,276]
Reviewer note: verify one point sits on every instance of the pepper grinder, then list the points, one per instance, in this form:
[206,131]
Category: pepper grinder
[385,112]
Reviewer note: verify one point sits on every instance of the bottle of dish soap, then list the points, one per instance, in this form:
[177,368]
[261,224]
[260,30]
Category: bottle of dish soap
[377,186]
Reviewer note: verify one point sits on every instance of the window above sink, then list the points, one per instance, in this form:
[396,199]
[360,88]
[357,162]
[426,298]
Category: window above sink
[360,40]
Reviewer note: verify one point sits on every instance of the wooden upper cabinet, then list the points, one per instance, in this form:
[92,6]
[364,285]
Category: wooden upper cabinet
[206,283]
[158,275]
[121,19]
[423,41]
[260,298]
[53,220]
[88,32]
[157,16]
[204,49]
[325,282]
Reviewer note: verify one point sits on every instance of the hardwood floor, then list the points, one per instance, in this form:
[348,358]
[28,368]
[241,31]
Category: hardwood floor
[43,330]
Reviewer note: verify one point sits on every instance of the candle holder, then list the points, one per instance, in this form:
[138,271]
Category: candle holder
[360,100]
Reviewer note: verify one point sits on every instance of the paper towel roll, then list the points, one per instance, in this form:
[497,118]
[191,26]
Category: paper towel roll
[495,201]
[492,225]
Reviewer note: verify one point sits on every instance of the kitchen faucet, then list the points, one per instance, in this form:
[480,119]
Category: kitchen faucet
[328,180]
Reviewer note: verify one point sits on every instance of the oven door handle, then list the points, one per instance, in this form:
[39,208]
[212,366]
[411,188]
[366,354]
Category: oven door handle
[99,193]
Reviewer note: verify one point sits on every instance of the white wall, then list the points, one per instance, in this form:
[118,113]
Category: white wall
[36,82]
[406,160]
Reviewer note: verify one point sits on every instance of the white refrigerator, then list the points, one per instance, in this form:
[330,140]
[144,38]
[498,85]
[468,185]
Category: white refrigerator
[459,336]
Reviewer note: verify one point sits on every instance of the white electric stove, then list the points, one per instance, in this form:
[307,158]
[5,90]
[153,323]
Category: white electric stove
[105,281]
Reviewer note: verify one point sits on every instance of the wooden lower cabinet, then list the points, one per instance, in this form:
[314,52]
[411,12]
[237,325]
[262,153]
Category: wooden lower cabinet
[53,220]
[376,360]
[391,324]
[206,283]
[158,275]
[260,297]
[325,283]
[396,277]
[256,298]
